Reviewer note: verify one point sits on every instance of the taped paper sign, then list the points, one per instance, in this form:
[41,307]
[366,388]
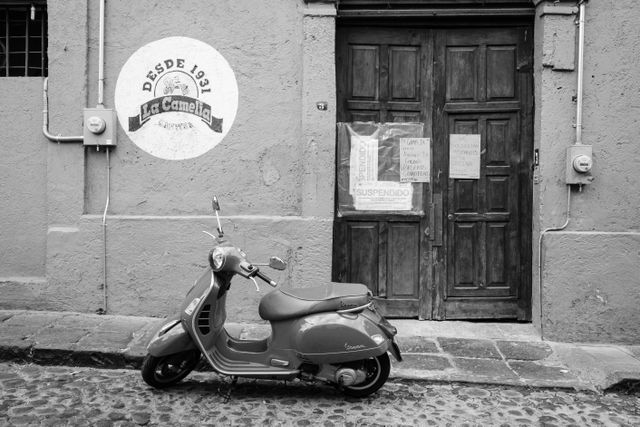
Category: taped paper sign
[415,159]
[363,163]
[464,156]
[383,196]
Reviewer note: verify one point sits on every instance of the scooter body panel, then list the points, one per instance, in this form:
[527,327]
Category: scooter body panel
[204,314]
[170,338]
[333,337]
[204,310]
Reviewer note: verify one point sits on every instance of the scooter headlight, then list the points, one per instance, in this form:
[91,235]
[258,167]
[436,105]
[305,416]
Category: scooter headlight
[216,259]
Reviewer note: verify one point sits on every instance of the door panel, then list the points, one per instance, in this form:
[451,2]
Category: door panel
[381,78]
[481,91]
[483,218]
[363,253]
[462,84]
[403,260]
[501,67]
[364,65]
[385,256]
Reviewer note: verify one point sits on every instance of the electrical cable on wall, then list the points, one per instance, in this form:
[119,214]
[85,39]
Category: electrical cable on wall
[540,264]
[104,308]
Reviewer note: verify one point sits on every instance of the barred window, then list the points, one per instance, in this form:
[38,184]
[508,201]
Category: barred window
[23,39]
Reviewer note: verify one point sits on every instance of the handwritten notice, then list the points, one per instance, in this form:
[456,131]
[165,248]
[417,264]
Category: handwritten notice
[363,163]
[383,196]
[464,156]
[415,159]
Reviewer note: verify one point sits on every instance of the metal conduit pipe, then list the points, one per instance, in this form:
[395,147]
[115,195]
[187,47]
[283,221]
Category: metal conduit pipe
[101,56]
[579,101]
[45,93]
[45,119]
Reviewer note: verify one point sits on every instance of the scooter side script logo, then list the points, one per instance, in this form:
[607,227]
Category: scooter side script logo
[176,98]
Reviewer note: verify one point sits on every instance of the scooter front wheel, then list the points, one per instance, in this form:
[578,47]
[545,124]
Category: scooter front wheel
[168,370]
[376,371]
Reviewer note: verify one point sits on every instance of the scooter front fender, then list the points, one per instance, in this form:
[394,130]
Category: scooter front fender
[171,338]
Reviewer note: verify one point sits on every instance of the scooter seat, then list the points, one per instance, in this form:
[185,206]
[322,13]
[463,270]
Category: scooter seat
[288,303]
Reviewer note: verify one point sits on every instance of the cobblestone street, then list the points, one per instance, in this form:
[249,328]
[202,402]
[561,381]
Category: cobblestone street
[42,395]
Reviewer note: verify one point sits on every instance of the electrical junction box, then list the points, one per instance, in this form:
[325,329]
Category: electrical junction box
[579,163]
[99,127]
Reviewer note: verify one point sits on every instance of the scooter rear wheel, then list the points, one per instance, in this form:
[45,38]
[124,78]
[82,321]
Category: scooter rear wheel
[168,370]
[377,372]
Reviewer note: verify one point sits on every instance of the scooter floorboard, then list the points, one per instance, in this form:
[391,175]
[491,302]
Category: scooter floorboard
[242,368]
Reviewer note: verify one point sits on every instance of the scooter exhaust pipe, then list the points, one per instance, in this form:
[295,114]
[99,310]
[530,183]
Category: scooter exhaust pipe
[348,376]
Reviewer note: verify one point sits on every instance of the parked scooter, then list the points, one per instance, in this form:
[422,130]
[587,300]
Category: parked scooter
[330,332]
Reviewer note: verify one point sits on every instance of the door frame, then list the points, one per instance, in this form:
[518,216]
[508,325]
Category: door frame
[433,223]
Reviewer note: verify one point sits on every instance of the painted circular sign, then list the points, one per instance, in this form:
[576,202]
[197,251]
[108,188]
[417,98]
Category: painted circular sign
[176,98]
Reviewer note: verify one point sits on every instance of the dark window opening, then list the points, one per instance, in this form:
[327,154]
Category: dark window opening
[23,39]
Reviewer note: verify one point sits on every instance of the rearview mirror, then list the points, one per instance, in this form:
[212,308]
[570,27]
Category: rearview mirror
[215,204]
[276,263]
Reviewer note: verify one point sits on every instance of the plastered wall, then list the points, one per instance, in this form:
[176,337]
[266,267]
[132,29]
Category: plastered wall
[23,170]
[265,171]
[590,272]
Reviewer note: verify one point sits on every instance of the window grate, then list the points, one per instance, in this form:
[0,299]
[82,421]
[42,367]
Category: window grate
[23,40]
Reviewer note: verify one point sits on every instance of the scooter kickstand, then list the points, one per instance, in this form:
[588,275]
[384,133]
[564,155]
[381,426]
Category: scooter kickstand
[227,395]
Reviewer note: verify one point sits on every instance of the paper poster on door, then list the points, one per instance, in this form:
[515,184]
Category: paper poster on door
[415,159]
[383,196]
[363,163]
[464,156]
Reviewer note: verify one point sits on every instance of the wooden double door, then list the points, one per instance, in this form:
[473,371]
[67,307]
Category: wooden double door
[466,254]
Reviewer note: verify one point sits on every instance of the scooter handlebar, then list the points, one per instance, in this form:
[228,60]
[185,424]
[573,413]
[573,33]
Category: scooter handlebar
[266,278]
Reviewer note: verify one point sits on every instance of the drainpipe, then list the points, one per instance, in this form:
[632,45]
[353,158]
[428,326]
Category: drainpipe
[578,141]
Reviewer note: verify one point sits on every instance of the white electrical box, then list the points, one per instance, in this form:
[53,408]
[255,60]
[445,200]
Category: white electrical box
[579,164]
[100,126]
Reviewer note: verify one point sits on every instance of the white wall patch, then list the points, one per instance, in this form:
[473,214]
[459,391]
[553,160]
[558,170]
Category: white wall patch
[176,98]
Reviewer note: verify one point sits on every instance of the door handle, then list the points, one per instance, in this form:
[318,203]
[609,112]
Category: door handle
[450,217]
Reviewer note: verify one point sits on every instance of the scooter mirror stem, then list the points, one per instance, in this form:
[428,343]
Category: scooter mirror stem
[255,283]
[216,208]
